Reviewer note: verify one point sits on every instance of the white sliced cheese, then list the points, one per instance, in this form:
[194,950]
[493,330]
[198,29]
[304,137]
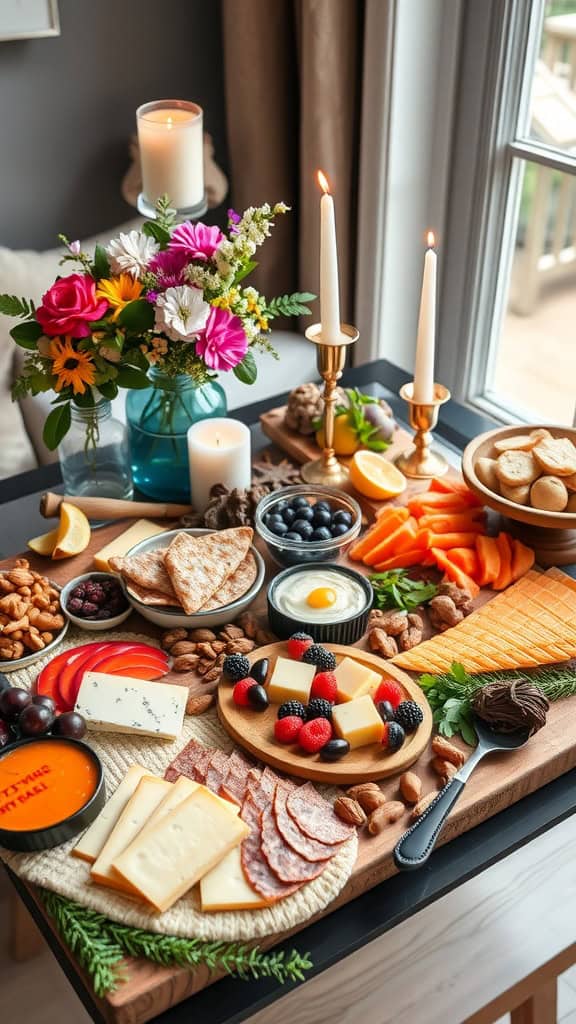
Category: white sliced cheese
[91,843]
[121,704]
[225,887]
[169,858]
[147,797]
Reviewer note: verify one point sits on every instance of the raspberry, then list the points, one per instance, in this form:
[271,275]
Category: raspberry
[291,708]
[236,667]
[393,736]
[314,735]
[297,644]
[240,692]
[286,730]
[390,691]
[319,708]
[325,685]
[319,656]
[409,715]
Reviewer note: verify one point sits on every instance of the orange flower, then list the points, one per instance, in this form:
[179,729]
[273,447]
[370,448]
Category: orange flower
[73,369]
[118,292]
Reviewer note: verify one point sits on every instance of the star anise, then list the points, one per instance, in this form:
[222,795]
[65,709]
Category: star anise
[274,475]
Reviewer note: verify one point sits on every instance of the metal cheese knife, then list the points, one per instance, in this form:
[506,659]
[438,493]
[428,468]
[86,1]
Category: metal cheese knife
[416,845]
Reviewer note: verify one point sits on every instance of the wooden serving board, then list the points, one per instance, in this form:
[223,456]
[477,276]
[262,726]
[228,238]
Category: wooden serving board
[254,730]
[501,780]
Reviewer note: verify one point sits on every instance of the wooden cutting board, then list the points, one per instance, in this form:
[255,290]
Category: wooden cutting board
[501,780]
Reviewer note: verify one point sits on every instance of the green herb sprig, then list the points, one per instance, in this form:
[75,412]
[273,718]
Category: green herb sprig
[450,694]
[395,589]
[100,945]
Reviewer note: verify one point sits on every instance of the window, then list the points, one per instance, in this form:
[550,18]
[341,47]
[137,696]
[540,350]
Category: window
[508,331]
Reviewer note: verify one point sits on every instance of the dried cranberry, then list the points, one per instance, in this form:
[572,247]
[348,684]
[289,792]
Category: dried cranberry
[74,605]
[88,608]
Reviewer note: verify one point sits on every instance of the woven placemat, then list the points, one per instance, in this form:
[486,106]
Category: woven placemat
[57,870]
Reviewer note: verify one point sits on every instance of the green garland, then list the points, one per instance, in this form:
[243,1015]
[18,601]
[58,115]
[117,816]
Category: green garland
[100,945]
[450,694]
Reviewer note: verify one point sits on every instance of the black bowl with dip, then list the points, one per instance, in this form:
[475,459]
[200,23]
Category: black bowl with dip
[342,622]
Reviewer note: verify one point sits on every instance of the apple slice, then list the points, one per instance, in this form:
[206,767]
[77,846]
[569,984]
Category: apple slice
[70,676]
[157,661]
[47,680]
[122,664]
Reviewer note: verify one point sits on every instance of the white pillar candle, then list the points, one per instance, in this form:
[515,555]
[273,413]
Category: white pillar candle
[329,292]
[218,453]
[424,367]
[171,152]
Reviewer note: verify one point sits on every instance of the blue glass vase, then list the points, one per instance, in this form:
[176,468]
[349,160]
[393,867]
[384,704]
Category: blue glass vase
[158,421]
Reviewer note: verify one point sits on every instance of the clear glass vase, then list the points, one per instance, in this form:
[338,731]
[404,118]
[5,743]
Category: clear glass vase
[94,454]
[158,421]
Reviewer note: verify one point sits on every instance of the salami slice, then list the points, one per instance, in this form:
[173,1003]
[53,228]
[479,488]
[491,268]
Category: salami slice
[217,770]
[188,760]
[308,848]
[234,783]
[201,766]
[254,866]
[315,817]
[286,864]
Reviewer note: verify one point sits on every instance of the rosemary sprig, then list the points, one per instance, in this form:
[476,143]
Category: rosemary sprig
[100,944]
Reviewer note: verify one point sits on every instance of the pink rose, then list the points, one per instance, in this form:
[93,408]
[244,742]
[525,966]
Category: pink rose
[196,241]
[69,305]
[222,344]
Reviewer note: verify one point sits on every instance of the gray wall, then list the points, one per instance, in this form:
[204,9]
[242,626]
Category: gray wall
[67,108]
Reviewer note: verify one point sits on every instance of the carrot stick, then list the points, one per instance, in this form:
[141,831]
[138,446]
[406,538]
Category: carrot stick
[466,559]
[522,559]
[461,579]
[386,523]
[453,540]
[402,561]
[504,577]
[488,560]
[465,521]
[401,540]
[447,485]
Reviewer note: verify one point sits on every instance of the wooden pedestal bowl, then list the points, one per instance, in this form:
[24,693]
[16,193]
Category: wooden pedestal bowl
[552,535]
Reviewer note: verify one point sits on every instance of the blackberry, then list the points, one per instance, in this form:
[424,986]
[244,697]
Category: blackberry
[409,715]
[319,708]
[394,736]
[292,707]
[319,656]
[236,667]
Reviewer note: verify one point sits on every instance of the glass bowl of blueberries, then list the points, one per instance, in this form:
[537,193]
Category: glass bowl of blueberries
[95,601]
[307,523]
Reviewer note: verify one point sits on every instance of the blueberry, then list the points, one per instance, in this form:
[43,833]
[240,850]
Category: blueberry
[293,536]
[289,515]
[342,517]
[321,517]
[306,513]
[339,529]
[321,533]
[278,527]
[324,505]
[273,518]
[303,527]
[300,502]
[334,750]
[279,508]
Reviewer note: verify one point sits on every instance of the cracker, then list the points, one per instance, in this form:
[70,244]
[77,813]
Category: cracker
[520,494]
[235,586]
[549,494]
[556,455]
[151,597]
[517,468]
[147,571]
[199,565]
[516,443]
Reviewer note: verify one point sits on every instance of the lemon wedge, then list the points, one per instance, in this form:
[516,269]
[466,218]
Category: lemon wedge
[45,544]
[374,477]
[73,534]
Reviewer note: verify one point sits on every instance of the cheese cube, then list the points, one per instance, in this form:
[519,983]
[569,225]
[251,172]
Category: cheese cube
[148,796]
[358,722]
[121,704]
[291,680]
[92,842]
[355,679]
[169,858]
[225,887]
[121,545]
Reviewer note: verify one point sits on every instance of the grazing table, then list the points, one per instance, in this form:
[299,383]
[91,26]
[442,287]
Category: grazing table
[360,921]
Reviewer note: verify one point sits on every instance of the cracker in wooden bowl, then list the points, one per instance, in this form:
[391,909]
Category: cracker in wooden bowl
[517,468]
[557,456]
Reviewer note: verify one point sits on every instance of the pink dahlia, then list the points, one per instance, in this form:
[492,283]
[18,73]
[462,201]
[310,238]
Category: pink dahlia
[197,241]
[222,344]
[69,306]
[169,268]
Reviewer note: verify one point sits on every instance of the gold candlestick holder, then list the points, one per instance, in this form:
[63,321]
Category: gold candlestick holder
[331,359]
[421,461]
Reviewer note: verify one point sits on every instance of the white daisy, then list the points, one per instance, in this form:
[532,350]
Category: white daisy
[131,253]
[181,313]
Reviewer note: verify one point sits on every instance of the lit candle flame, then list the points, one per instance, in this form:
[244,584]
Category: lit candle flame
[169,123]
[323,182]
[431,240]
[217,441]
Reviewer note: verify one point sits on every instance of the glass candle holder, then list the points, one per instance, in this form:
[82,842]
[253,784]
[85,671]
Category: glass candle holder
[171,144]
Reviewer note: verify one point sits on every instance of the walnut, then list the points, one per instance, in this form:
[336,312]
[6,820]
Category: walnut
[443,613]
[415,620]
[461,598]
[241,646]
[172,636]
[410,638]
[231,632]
[185,662]
[201,635]
[379,641]
[183,647]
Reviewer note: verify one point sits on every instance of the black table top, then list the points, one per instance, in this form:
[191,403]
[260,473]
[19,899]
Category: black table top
[377,911]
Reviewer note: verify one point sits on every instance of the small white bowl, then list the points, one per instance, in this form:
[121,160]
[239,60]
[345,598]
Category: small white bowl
[92,625]
[170,617]
[29,659]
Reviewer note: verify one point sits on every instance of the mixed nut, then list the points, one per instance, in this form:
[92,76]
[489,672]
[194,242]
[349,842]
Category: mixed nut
[30,614]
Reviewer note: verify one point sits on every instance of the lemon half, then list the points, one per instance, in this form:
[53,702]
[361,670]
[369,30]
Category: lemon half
[374,477]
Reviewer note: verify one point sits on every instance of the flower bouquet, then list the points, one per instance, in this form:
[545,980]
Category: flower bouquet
[170,296]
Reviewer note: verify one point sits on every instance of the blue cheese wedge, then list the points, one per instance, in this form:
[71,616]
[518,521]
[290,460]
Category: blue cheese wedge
[121,704]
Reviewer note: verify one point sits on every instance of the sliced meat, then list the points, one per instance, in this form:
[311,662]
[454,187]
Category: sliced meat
[254,865]
[286,864]
[308,848]
[201,766]
[315,817]
[216,770]
[262,791]
[234,783]
[268,781]
[187,761]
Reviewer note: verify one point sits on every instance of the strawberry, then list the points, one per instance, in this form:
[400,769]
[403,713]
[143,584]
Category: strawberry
[297,644]
[314,735]
[324,686]
[391,691]
[286,730]
[240,691]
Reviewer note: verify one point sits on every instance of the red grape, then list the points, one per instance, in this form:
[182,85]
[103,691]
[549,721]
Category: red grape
[13,701]
[70,724]
[35,720]
[45,701]
[5,734]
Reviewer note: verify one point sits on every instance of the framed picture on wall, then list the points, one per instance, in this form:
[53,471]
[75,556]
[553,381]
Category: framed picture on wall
[28,19]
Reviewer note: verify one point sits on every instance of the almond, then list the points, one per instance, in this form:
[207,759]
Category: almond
[241,646]
[410,787]
[447,751]
[349,811]
[443,769]
[422,804]
[199,703]
[231,632]
[389,812]
[357,791]
[201,635]
[172,636]
[185,663]
[182,647]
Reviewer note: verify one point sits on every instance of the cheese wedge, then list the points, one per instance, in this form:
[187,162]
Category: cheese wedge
[225,887]
[121,545]
[166,861]
[355,679]
[291,680]
[148,796]
[358,722]
[93,840]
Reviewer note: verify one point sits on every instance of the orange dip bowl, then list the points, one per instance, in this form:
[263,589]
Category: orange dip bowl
[51,788]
